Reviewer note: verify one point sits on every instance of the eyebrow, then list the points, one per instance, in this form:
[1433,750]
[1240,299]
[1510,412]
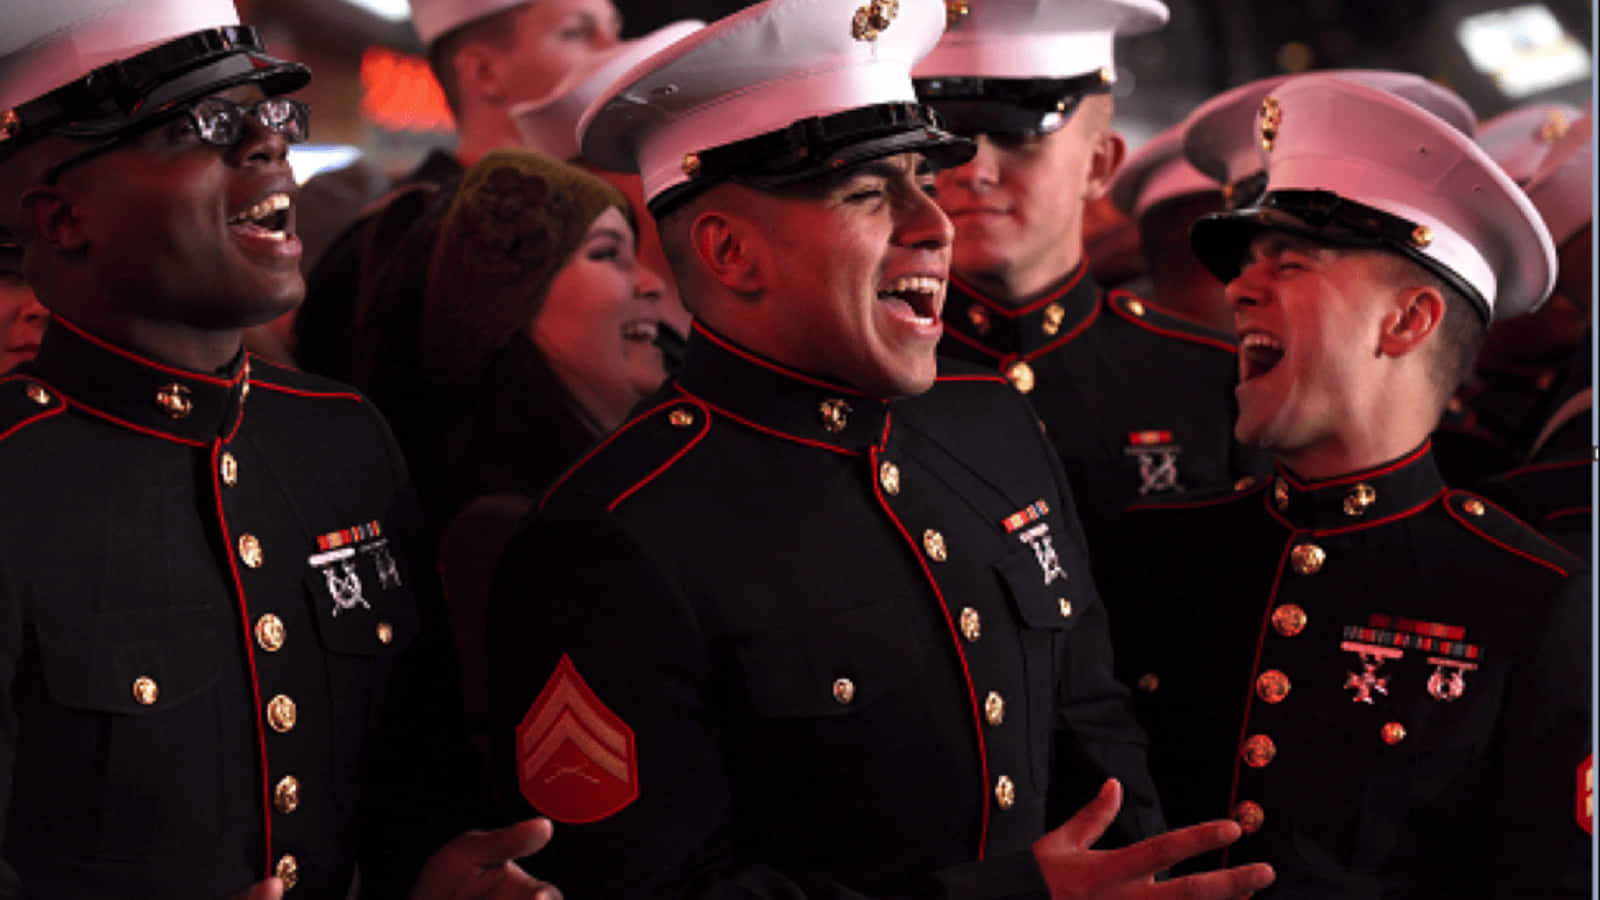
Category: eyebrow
[611,233]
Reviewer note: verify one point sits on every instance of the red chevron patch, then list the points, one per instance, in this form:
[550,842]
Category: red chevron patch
[575,757]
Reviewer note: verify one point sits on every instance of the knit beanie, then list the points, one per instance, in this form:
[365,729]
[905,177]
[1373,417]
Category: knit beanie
[516,219]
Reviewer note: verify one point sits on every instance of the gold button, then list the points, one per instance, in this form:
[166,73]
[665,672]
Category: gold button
[1307,559]
[1258,751]
[281,714]
[1394,733]
[1245,483]
[933,542]
[286,796]
[971,624]
[844,691]
[270,633]
[1272,686]
[1149,682]
[889,477]
[145,691]
[230,470]
[288,868]
[979,317]
[1054,315]
[835,415]
[385,633]
[1289,620]
[250,550]
[1280,494]
[1021,376]
[681,418]
[244,386]
[1474,507]
[174,400]
[1250,816]
[691,164]
[1359,499]
[1136,308]
[38,394]
[994,708]
[1066,607]
[1005,792]
[1422,235]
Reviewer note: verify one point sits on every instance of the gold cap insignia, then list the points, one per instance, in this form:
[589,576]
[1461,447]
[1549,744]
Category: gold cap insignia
[871,20]
[1555,127]
[955,11]
[10,124]
[1269,121]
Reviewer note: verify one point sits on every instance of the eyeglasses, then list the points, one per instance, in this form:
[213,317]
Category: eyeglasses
[217,121]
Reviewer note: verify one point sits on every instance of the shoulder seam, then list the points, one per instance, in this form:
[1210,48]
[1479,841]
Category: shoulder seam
[594,451]
[306,392]
[1450,507]
[1204,340]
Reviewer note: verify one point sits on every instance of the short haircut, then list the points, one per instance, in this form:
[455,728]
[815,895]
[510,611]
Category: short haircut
[496,30]
[1460,334]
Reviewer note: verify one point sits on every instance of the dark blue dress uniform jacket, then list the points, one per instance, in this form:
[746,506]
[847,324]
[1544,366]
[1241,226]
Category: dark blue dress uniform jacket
[843,675]
[186,703]
[1248,620]
[1138,402]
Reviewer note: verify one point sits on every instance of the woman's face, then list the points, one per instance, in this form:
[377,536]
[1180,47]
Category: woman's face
[597,326]
[22,322]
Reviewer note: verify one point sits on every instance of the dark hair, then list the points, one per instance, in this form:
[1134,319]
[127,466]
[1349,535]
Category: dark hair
[1460,334]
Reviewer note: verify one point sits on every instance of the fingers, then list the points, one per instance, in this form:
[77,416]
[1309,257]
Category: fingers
[1089,823]
[490,848]
[270,889]
[1241,881]
[1161,852]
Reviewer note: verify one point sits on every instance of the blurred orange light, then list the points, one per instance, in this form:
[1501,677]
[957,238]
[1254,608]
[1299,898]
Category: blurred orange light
[399,93]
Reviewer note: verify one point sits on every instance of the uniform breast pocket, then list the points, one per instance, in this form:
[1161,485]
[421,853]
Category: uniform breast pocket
[1048,603]
[135,740]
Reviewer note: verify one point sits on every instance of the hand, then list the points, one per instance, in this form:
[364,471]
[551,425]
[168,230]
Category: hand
[270,889]
[481,865]
[1074,871]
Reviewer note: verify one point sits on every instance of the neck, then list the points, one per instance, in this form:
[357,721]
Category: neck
[483,132]
[1019,285]
[202,350]
[1362,442]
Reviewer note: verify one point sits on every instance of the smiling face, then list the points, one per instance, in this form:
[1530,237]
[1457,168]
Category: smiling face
[597,325]
[1309,319]
[1018,206]
[182,232]
[854,270]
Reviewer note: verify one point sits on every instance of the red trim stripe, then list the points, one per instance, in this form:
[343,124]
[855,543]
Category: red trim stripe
[1080,328]
[1395,466]
[763,428]
[123,423]
[250,654]
[590,454]
[705,426]
[299,392]
[59,407]
[952,379]
[1165,332]
[770,365]
[1016,312]
[1328,532]
[974,343]
[1495,541]
[149,363]
[1554,514]
[955,638]
[1545,467]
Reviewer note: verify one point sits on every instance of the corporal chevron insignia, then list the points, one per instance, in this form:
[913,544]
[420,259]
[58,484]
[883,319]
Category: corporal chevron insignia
[575,757]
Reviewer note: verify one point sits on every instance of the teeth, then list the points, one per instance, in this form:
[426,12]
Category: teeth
[1256,339]
[272,203]
[914,284]
[639,330]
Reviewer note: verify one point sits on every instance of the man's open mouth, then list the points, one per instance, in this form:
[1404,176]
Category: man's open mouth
[270,217]
[921,295]
[641,330]
[1259,353]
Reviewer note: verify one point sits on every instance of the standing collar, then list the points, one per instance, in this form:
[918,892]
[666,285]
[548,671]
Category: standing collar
[1357,500]
[139,393]
[1005,332]
[772,398]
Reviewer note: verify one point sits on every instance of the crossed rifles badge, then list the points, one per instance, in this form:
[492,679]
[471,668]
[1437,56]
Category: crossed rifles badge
[1029,526]
[337,562]
[1389,637]
[1158,460]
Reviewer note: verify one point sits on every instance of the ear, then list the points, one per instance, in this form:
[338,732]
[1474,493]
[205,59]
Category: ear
[479,73]
[1105,159]
[49,215]
[1416,313]
[729,250]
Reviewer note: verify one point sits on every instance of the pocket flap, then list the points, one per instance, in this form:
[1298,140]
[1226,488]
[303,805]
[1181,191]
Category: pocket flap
[833,669]
[132,662]
[362,601]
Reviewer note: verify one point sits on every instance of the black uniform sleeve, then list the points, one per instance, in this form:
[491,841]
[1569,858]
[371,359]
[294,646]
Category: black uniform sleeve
[576,586]
[10,654]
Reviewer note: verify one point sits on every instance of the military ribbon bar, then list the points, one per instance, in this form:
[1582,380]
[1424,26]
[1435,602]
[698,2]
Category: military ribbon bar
[1148,438]
[352,535]
[1382,637]
[1431,629]
[1022,518]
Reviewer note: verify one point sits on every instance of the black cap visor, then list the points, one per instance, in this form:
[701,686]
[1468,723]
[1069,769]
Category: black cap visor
[817,146]
[1015,107]
[1222,240]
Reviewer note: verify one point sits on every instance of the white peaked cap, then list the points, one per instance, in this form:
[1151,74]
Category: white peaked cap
[1458,212]
[1219,136]
[45,44]
[434,19]
[550,124]
[1563,188]
[1036,38]
[1520,139]
[1157,173]
[754,72]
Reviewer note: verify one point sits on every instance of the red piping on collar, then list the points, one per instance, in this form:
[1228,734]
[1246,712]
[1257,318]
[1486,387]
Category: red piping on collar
[705,426]
[947,379]
[149,363]
[883,440]
[1496,541]
[1015,312]
[1165,332]
[1395,466]
[123,423]
[961,654]
[1249,694]
[769,365]
[765,429]
[249,652]
[1078,329]
[584,459]
[974,343]
[58,409]
[1346,529]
